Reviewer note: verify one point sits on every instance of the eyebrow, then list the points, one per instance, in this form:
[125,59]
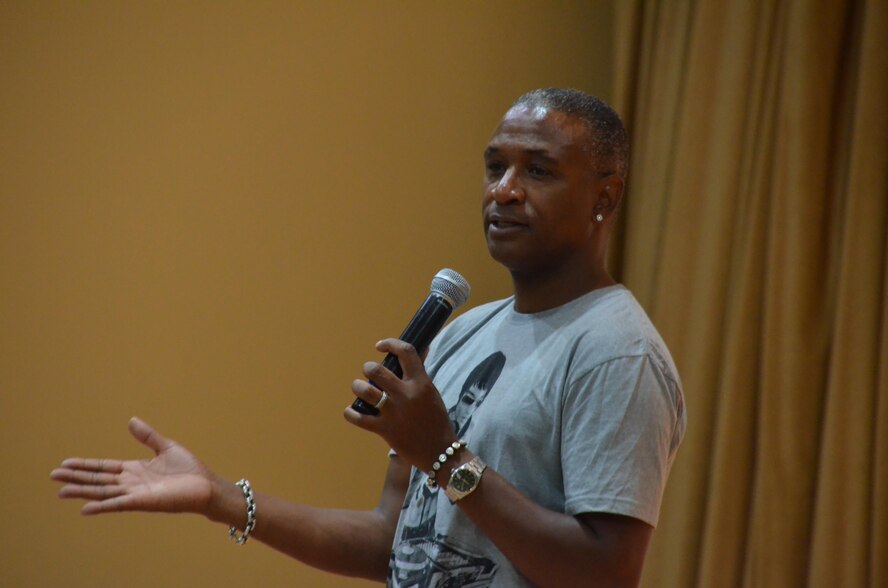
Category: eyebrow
[538,153]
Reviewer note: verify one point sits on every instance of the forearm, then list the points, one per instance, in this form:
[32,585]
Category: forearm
[552,548]
[351,543]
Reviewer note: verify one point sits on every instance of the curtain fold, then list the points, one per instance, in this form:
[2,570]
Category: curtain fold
[755,232]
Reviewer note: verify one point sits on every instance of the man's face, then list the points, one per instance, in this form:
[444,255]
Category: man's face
[539,191]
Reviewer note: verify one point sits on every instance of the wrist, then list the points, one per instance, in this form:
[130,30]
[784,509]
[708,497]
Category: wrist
[442,476]
[464,480]
[249,500]
[226,503]
[439,470]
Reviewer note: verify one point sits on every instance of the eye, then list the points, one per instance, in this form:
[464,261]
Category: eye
[538,171]
[495,169]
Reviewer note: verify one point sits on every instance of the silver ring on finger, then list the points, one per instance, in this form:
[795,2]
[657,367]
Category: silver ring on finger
[382,400]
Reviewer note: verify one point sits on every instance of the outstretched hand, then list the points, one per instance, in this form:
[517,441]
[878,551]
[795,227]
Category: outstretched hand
[173,481]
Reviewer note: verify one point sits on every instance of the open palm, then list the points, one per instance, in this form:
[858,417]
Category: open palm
[173,481]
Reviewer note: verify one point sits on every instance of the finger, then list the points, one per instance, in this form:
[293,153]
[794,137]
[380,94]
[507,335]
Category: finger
[147,436]
[82,477]
[382,377]
[90,492]
[115,504]
[365,421]
[367,392]
[410,361]
[112,466]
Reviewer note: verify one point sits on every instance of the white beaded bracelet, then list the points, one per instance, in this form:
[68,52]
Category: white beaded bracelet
[453,448]
[244,485]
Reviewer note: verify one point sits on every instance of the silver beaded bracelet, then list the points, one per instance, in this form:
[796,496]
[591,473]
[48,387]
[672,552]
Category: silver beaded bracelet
[244,485]
[454,447]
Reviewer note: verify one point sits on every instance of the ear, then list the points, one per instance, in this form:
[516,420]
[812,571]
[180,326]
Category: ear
[608,196]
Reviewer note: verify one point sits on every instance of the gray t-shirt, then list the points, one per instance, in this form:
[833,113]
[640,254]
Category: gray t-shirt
[579,407]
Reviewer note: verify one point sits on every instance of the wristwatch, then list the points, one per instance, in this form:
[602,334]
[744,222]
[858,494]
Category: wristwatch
[465,479]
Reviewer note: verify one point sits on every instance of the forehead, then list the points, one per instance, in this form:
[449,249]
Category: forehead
[539,128]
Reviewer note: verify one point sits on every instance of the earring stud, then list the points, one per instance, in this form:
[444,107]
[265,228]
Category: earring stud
[599,217]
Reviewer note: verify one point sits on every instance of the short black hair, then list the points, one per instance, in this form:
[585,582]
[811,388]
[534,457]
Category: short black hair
[609,141]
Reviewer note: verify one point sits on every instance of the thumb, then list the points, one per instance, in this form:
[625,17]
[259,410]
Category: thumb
[147,436]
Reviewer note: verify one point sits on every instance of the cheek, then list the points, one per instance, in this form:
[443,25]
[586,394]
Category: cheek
[567,224]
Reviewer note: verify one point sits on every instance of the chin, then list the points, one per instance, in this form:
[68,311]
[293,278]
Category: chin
[517,262]
[501,254]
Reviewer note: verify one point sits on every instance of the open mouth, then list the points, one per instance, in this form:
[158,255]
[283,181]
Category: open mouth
[501,221]
[505,224]
[500,227]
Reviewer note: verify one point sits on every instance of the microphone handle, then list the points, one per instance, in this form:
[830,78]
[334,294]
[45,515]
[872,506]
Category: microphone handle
[420,331]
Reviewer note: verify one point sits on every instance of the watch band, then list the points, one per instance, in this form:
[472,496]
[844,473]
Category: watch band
[465,479]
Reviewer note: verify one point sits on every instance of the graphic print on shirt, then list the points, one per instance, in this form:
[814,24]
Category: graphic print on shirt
[422,558]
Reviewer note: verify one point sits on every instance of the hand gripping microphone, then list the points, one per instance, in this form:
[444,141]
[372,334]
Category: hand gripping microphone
[449,291]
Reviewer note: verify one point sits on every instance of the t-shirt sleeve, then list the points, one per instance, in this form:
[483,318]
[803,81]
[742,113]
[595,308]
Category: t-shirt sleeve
[621,424]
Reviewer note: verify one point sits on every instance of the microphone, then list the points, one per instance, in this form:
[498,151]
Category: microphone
[449,291]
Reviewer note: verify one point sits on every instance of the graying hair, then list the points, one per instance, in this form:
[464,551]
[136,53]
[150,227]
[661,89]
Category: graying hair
[609,141]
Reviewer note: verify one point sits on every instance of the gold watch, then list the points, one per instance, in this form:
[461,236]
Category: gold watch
[464,479]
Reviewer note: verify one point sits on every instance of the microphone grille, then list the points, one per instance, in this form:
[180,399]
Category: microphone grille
[452,287]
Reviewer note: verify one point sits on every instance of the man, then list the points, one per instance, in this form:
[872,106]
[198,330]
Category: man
[560,406]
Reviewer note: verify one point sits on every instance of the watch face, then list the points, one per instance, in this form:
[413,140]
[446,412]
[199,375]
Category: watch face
[463,479]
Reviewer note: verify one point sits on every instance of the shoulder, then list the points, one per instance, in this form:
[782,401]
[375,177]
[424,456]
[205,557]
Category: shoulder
[612,330]
[613,325]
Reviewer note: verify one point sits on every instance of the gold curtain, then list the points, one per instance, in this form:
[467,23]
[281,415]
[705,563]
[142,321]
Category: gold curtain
[755,231]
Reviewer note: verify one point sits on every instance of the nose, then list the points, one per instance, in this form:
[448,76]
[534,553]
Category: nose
[507,189]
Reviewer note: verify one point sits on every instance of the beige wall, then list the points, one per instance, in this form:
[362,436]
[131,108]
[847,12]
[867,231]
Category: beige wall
[209,212]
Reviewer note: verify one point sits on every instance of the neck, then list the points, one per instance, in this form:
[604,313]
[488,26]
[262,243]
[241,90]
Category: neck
[535,291]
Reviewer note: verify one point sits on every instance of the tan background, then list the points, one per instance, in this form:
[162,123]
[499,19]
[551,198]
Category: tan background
[208,214]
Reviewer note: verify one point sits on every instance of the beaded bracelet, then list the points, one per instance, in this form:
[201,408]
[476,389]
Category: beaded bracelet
[244,485]
[454,447]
